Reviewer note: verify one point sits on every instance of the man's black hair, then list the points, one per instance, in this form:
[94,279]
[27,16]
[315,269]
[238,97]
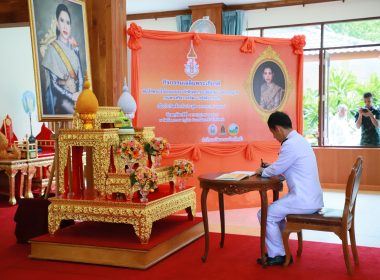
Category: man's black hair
[279,118]
[367,94]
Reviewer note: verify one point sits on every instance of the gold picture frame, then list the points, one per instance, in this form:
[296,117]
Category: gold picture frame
[254,82]
[60,60]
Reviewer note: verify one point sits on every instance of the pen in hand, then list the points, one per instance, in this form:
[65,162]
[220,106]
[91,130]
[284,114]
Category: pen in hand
[262,164]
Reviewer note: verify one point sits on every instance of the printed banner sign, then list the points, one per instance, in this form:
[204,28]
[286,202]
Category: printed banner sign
[213,92]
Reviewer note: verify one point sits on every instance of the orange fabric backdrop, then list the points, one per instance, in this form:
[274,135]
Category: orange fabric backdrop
[224,156]
[248,46]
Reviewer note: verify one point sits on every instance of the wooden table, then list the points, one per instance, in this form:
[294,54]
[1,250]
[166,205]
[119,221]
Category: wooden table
[230,187]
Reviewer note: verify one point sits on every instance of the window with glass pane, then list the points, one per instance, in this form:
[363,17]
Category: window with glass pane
[352,72]
[352,33]
[252,33]
[312,33]
[311,97]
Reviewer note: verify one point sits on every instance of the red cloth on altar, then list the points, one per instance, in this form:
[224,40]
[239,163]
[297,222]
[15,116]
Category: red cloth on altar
[45,133]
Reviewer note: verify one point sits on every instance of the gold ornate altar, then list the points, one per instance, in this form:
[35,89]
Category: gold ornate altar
[97,204]
[140,215]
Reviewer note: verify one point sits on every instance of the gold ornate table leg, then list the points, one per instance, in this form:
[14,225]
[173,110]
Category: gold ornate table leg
[143,229]
[54,221]
[191,211]
[108,189]
[101,159]
[23,171]
[63,153]
[28,184]
[11,176]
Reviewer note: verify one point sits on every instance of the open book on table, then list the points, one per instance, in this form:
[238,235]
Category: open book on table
[237,175]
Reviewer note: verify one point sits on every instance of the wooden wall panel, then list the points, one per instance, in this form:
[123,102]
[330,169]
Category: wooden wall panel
[107,25]
[214,11]
[335,164]
[14,11]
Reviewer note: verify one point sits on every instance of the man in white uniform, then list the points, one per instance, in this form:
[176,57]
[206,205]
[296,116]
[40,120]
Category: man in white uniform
[298,164]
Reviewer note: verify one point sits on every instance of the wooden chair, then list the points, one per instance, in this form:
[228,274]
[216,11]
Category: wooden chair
[336,221]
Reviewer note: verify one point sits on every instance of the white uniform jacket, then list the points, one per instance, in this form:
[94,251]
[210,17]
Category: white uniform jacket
[297,162]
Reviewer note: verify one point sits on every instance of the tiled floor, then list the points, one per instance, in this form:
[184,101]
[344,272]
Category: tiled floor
[367,222]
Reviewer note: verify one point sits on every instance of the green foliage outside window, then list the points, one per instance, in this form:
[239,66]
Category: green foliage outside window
[366,30]
[343,89]
[310,115]
[342,85]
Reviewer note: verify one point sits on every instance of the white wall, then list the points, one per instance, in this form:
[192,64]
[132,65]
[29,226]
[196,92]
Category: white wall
[311,13]
[162,24]
[16,77]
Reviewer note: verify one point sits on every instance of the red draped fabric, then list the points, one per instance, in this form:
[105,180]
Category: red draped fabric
[223,149]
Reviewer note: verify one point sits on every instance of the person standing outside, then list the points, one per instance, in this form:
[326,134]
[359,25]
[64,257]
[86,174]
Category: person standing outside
[368,120]
[339,129]
[297,162]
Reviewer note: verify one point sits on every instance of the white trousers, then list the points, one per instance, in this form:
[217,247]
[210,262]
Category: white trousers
[276,224]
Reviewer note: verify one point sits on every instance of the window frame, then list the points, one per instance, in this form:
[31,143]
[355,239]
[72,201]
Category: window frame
[321,88]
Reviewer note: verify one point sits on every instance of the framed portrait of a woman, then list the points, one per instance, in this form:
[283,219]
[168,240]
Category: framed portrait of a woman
[268,84]
[60,54]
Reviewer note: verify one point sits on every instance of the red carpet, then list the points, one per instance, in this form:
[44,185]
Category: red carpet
[237,260]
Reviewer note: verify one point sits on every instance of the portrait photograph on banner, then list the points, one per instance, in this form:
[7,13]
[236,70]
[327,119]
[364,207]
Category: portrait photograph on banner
[271,84]
[60,55]
[212,92]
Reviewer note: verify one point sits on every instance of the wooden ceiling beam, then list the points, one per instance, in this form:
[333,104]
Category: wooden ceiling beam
[245,7]
[275,4]
[159,14]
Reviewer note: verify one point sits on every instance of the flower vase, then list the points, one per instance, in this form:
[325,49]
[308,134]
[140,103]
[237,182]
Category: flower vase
[157,161]
[182,182]
[130,169]
[144,194]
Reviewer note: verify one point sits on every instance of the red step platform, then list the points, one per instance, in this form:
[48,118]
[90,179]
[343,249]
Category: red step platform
[117,244]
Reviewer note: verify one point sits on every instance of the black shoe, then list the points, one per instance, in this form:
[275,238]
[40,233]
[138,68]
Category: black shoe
[278,260]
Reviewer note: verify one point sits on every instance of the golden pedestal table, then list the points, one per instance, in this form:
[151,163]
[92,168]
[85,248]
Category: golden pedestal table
[101,140]
[141,215]
[28,168]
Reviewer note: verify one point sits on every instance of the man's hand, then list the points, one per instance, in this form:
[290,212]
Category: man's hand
[259,171]
[266,164]
[360,111]
[367,114]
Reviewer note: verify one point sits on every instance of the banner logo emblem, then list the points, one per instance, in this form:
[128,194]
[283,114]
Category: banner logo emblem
[191,68]
[233,129]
